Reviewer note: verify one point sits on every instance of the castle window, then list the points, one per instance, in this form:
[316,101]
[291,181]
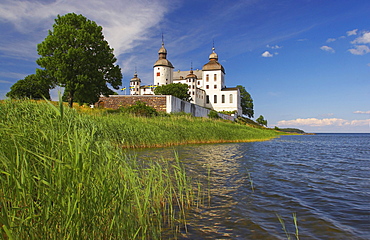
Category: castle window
[192,93]
[215,98]
[231,98]
[207,99]
[198,82]
[215,77]
[207,86]
[207,77]
[215,87]
[158,74]
[223,98]
[193,87]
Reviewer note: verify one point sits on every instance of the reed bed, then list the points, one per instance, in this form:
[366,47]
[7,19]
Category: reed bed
[65,175]
[163,131]
[61,178]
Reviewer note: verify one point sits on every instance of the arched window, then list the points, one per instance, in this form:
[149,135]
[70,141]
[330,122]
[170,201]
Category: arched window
[223,98]
[215,99]
[231,98]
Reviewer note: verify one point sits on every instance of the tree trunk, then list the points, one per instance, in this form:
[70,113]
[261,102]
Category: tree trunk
[70,99]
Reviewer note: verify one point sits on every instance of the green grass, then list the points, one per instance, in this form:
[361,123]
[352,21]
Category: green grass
[64,173]
[133,132]
[61,178]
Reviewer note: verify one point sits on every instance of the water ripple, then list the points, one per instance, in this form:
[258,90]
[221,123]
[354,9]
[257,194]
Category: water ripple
[323,178]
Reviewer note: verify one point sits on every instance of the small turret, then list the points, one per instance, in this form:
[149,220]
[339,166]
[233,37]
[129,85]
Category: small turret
[135,83]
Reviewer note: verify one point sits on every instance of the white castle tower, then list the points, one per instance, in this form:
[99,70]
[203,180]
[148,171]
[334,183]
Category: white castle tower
[213,75]
[135,83]
[163,69]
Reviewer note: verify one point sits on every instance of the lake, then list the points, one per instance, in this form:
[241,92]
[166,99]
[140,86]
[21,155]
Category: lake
[324,179]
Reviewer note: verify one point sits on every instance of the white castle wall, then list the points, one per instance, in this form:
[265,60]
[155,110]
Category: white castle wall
[175,104]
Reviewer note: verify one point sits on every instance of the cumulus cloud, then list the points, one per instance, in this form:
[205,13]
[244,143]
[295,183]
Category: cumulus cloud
[359,50]
[327,49]
[362,112]
[314,122]
[125,23]
[363,39]
[353,32]
[267,54]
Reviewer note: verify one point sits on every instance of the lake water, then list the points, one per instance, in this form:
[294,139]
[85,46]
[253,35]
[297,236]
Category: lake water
[324,179]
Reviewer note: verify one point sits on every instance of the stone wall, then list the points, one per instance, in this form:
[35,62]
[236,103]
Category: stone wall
[164,103]
[117,101]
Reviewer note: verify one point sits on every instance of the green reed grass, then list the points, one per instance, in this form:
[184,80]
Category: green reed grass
[130,131]
[281,220]
[64,174]
[62,178]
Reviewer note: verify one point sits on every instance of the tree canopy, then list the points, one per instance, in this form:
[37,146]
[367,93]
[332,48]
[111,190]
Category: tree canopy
[78,58]
[34,86]
[179,90]
[261,120]
[246,102]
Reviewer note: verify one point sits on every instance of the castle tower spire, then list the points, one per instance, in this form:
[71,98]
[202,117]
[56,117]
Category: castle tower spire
[162,68]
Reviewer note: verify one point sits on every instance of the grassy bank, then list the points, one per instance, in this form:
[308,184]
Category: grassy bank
[64,174]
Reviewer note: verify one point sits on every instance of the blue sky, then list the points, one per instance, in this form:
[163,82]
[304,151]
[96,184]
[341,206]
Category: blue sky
[306,63]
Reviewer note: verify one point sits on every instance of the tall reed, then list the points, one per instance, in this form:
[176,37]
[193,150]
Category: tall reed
[62,178]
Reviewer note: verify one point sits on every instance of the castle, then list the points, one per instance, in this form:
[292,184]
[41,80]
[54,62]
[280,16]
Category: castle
[206,87]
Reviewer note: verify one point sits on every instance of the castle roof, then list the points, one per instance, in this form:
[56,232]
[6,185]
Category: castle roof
[191,75]
[213,63]
[178,75]
[162,58]
[135,78]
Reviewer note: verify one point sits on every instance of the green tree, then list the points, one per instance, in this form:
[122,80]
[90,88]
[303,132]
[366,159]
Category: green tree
[76,55]
[261,121]
[179,90]
[246,102]
[34,86]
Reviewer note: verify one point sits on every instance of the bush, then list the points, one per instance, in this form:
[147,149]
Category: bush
[140,109]
[213,114]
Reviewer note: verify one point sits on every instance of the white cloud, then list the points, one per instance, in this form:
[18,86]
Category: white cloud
[353,32]
[3,81]
[364,39]
[125,23]
[331,40]
[327,49]
[274,46]
[267,54]
[362,112]
[359,50]
[314,122]
[13,75]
